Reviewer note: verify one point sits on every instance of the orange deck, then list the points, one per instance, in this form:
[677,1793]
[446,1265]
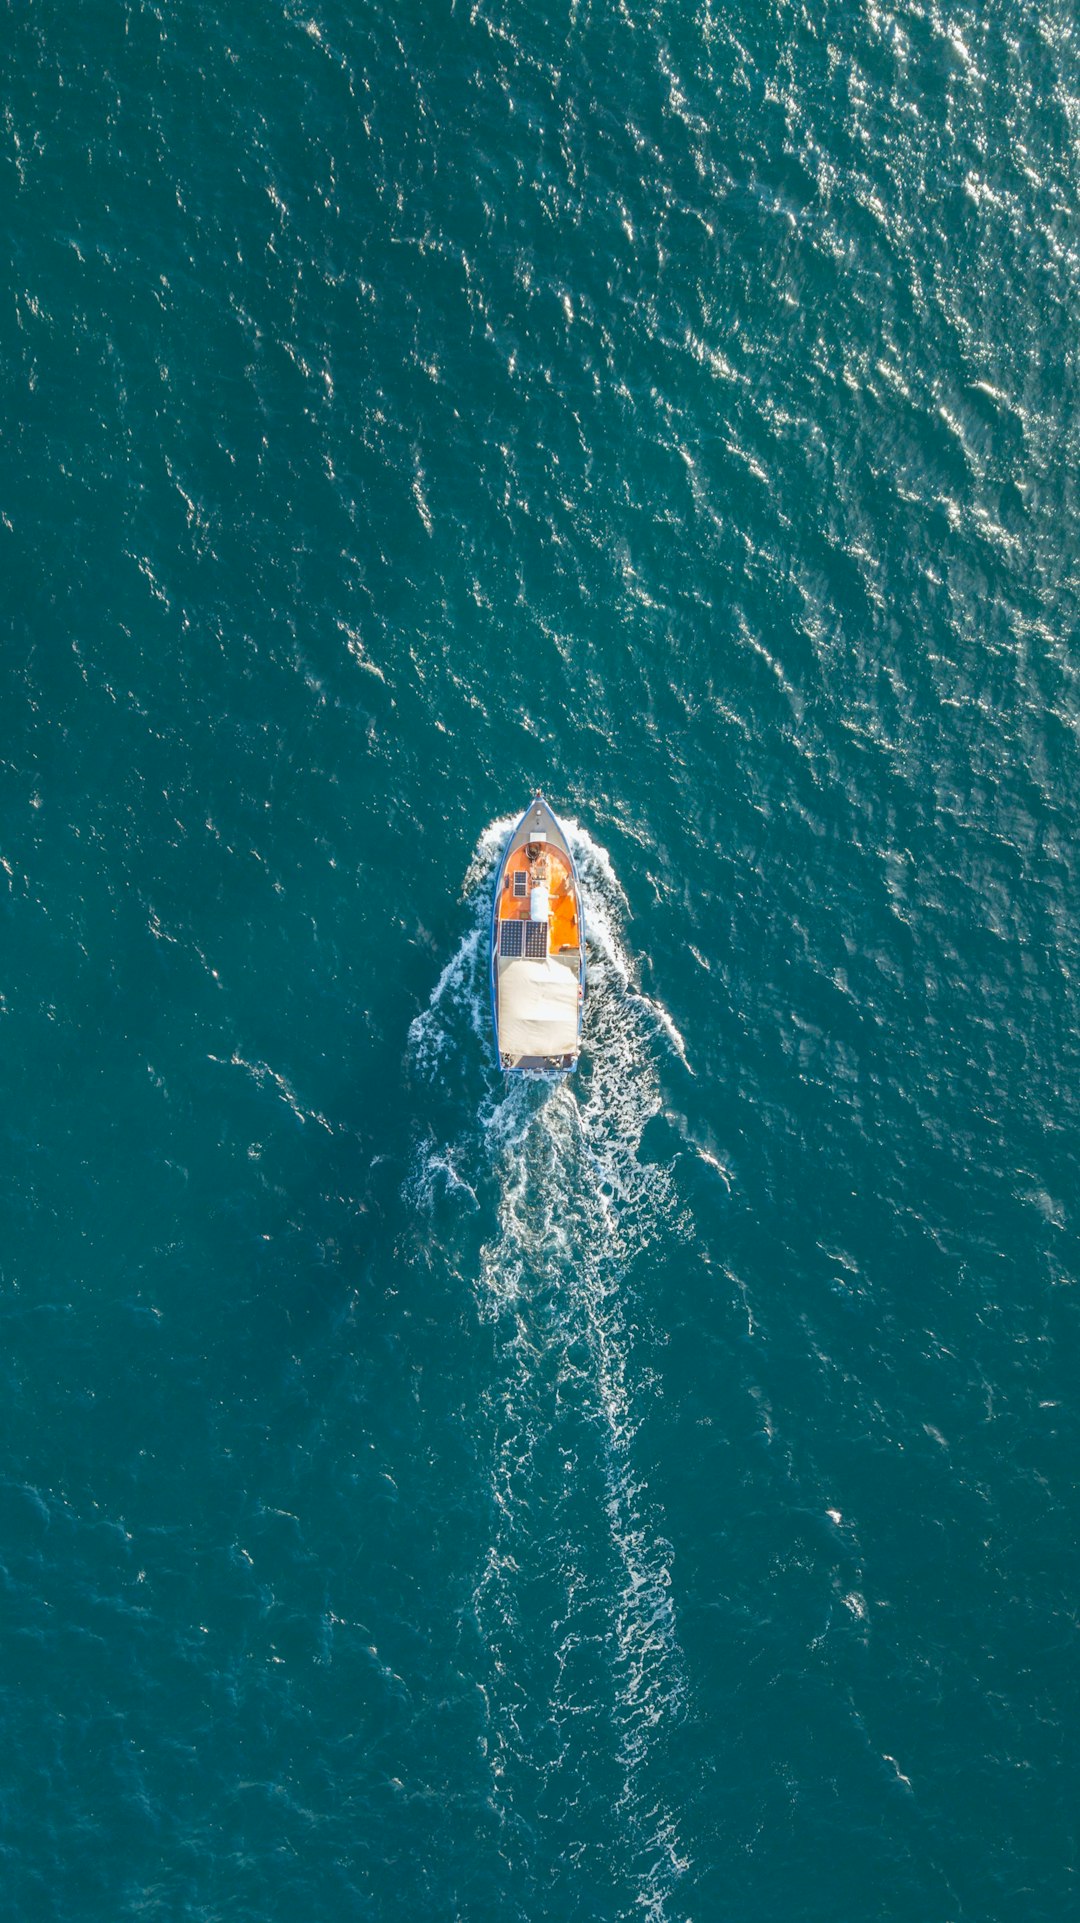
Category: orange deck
[564,929]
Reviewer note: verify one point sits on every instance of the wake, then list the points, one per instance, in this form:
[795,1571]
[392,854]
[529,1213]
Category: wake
[577,1713]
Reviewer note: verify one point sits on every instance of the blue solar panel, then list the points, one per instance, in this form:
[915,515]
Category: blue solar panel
[536,940]
[511,934]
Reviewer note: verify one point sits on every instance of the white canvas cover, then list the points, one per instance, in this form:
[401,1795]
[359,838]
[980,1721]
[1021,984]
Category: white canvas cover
[538,1008]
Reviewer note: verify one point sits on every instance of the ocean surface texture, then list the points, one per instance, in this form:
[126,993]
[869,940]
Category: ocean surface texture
[645,1499]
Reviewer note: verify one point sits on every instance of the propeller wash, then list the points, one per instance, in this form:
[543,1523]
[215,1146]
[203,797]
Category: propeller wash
[573,1604]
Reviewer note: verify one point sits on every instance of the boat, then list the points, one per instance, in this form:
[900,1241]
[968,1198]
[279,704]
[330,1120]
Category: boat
[537,948]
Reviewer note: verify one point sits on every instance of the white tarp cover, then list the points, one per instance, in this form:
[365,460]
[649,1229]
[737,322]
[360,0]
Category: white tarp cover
[538,1008]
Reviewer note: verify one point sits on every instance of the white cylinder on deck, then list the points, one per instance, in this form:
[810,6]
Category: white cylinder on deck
[540,902]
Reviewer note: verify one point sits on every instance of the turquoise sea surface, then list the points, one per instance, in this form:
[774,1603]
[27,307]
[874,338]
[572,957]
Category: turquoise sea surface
[651,1496]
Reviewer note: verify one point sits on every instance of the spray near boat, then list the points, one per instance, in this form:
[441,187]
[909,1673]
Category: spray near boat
[537,948]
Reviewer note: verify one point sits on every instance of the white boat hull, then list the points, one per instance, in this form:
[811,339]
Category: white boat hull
[537,948]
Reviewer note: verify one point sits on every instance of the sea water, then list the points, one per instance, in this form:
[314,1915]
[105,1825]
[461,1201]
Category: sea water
[650,1494]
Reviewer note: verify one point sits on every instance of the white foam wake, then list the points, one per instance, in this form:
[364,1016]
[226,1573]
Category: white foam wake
[456,999]
[577,1207]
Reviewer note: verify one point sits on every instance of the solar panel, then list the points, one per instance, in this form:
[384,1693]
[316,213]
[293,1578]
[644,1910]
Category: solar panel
[536,940]
[511,935]
[521,882]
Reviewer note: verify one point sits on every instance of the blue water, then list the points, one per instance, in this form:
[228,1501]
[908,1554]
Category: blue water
[652,1496]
